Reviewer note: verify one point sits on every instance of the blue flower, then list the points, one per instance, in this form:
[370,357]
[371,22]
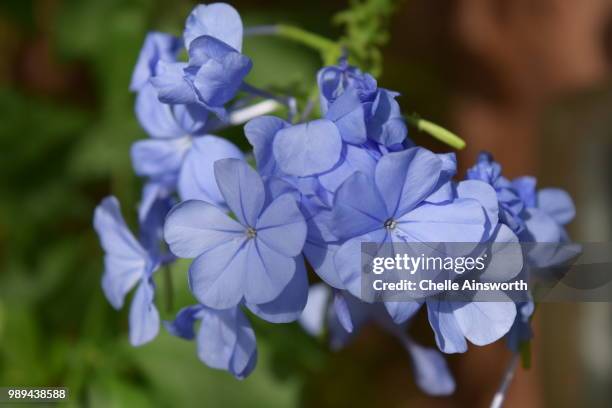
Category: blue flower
[360,110]
[128,263]
[547,211]
[225,339]
[157,47]
[393,207]
[215,70]
[510,203]
[253,257]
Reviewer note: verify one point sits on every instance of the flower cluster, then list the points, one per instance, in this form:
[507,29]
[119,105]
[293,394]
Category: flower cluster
[319,189]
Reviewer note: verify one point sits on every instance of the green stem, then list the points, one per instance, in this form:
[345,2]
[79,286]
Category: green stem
[436,131]
[169,291]
[330,50]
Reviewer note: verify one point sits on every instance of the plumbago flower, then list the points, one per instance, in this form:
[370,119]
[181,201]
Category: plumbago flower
[320,189]
[180,153]
[252,258]
[129,263]
[541,217]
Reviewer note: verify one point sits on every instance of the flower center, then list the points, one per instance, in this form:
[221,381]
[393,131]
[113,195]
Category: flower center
[390,224]
[251,232]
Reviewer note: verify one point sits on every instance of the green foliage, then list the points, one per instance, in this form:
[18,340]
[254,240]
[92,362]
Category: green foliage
[366,25]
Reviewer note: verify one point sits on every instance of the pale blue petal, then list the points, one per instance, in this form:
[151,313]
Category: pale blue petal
[171,84]
[157,46]
[125,259]
[386,125]
[308,148]
[342,311]
[182,325]
[358,208]
[217,337]
[260,133]
[220,75]
[406,178]
[348,260]
[217,277]
[462,221]
[557,203]
[245,352]
[281,226]
[400,312]
[320,256]
[483,323]
[144,317]
[194,227]
[288,306]
[431,373]
[156,158]
[347,112]
[267,272]
[155,117]
[484,194]
[353,159]
[540,227]
[449,336]
[217,20]
[196,179]
[242,189]
[314,316]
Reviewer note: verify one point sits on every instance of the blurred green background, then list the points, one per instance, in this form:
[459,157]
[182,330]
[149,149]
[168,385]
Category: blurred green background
[67,123]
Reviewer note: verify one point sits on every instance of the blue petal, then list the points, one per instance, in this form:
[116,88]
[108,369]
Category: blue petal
[194,227]
[261,132]
[320,256]
[159,157]
[556,203]
[406,178]
[217,277]
[541,227]
[144,317]
[386,125]
[347,112]
[483,323]
[308,148]
[217,20]
[315,313]
[526,188]
[242,189]
[182,325]
[245,352]
[484,194]
[445,189]
[125,260]
[281,226]
[217,337]
[196,180]
[353,159]
[171,84]
[221,70]
[449,336]
[288,306]
[358,208]
[342,311]
[269,272]
[462,221]
[348,260]
[157,46]
[400,312]
[155,117]
[431,373]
